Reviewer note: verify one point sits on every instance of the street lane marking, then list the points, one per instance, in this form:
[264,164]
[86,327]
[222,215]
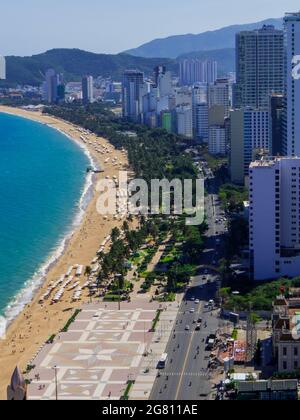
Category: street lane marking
[186,357]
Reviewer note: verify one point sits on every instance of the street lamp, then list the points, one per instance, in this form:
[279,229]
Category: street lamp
[119,276]
[55,368]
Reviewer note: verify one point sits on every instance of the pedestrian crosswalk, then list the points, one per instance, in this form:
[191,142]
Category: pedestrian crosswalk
[204,374]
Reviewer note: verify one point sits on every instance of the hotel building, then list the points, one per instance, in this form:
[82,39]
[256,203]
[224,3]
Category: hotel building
[274,222]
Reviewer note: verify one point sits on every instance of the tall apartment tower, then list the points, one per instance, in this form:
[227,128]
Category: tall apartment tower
[291,117]
[259,66]
[276,117]
[133,81]
[200,121]
[249,133]
[87,89]
[275,218]
[51,86]
[2,68]
[219,94]
[197,71]
[184,118]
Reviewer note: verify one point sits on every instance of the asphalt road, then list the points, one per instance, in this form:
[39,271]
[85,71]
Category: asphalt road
[186,376]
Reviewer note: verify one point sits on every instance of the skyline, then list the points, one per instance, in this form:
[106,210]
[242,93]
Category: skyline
[86,26]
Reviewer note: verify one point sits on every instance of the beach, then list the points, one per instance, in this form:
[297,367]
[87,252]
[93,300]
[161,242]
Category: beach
[39,321]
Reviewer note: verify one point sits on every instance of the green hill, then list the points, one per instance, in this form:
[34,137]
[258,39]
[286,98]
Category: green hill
[74,63]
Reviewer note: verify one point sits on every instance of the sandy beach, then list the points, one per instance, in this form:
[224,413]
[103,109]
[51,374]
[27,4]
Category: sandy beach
[29,331]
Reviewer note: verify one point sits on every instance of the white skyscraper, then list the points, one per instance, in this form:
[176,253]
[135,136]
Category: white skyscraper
[217,140]
[197,71]
[249,132]
[219,94]
[184,120]
[275,218]
[291,137]
[164,84]
[2,68]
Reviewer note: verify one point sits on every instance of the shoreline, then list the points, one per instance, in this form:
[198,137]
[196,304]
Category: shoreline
[17,304]
[37,322]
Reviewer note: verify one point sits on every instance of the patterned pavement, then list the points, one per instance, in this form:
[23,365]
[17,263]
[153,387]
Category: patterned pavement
[103,349]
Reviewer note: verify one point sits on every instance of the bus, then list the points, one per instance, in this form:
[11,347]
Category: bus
[162,361]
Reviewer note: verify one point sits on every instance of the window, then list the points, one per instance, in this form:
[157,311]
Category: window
[284,351]
[295,351]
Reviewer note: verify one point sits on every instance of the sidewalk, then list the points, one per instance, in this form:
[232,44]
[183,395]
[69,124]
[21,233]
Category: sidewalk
[148,372]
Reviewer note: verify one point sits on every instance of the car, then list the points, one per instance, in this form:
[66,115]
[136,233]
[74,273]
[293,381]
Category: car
[187,328]
[198,327]
[199,320]
[194,322]
[192,299]
[192,311]
[197,301]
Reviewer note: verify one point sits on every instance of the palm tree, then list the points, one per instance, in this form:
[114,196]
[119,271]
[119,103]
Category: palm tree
[88,271]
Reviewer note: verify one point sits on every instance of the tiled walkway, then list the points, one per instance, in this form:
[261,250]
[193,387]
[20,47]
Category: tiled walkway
[103,349]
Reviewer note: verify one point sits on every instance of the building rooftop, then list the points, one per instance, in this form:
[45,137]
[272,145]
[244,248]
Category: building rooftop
[270,161]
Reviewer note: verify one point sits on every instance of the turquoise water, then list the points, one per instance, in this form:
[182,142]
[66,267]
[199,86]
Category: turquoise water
[42,178]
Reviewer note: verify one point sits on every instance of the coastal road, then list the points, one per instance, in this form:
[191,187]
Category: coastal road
[186,376]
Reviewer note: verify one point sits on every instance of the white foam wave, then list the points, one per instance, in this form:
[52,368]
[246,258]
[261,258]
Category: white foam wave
[26,294]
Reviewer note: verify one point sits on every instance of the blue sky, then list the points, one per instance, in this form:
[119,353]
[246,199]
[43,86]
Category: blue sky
[111,26]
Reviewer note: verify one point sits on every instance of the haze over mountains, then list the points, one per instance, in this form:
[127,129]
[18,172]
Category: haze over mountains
[74,63]
[177,45]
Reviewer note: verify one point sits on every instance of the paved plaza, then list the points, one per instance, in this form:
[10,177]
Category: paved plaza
[102,350]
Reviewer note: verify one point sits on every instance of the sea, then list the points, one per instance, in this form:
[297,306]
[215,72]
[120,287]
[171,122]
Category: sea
[44,190]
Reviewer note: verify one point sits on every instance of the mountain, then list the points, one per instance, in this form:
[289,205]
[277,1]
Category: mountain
[174,46]
[224,57]
[74,63]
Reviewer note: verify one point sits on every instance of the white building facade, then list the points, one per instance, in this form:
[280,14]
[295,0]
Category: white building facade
[184,117]
[291,138]
[274,221]
[219,94]
[217,140]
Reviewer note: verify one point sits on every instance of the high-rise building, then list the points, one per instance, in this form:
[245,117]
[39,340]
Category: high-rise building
[249,133]
[197,71]
[184,118]
[87,89]
[199,97]
[53,82]
[166,120]
[217,140]
[158,71]
[275,218]
[219,94]
[291,125]
[133,81]
[276,123]
[2,68]
[259,66]
[163,81]
[201,124]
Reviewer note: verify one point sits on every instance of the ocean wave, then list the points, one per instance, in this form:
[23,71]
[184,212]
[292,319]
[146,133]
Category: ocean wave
[31,286]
